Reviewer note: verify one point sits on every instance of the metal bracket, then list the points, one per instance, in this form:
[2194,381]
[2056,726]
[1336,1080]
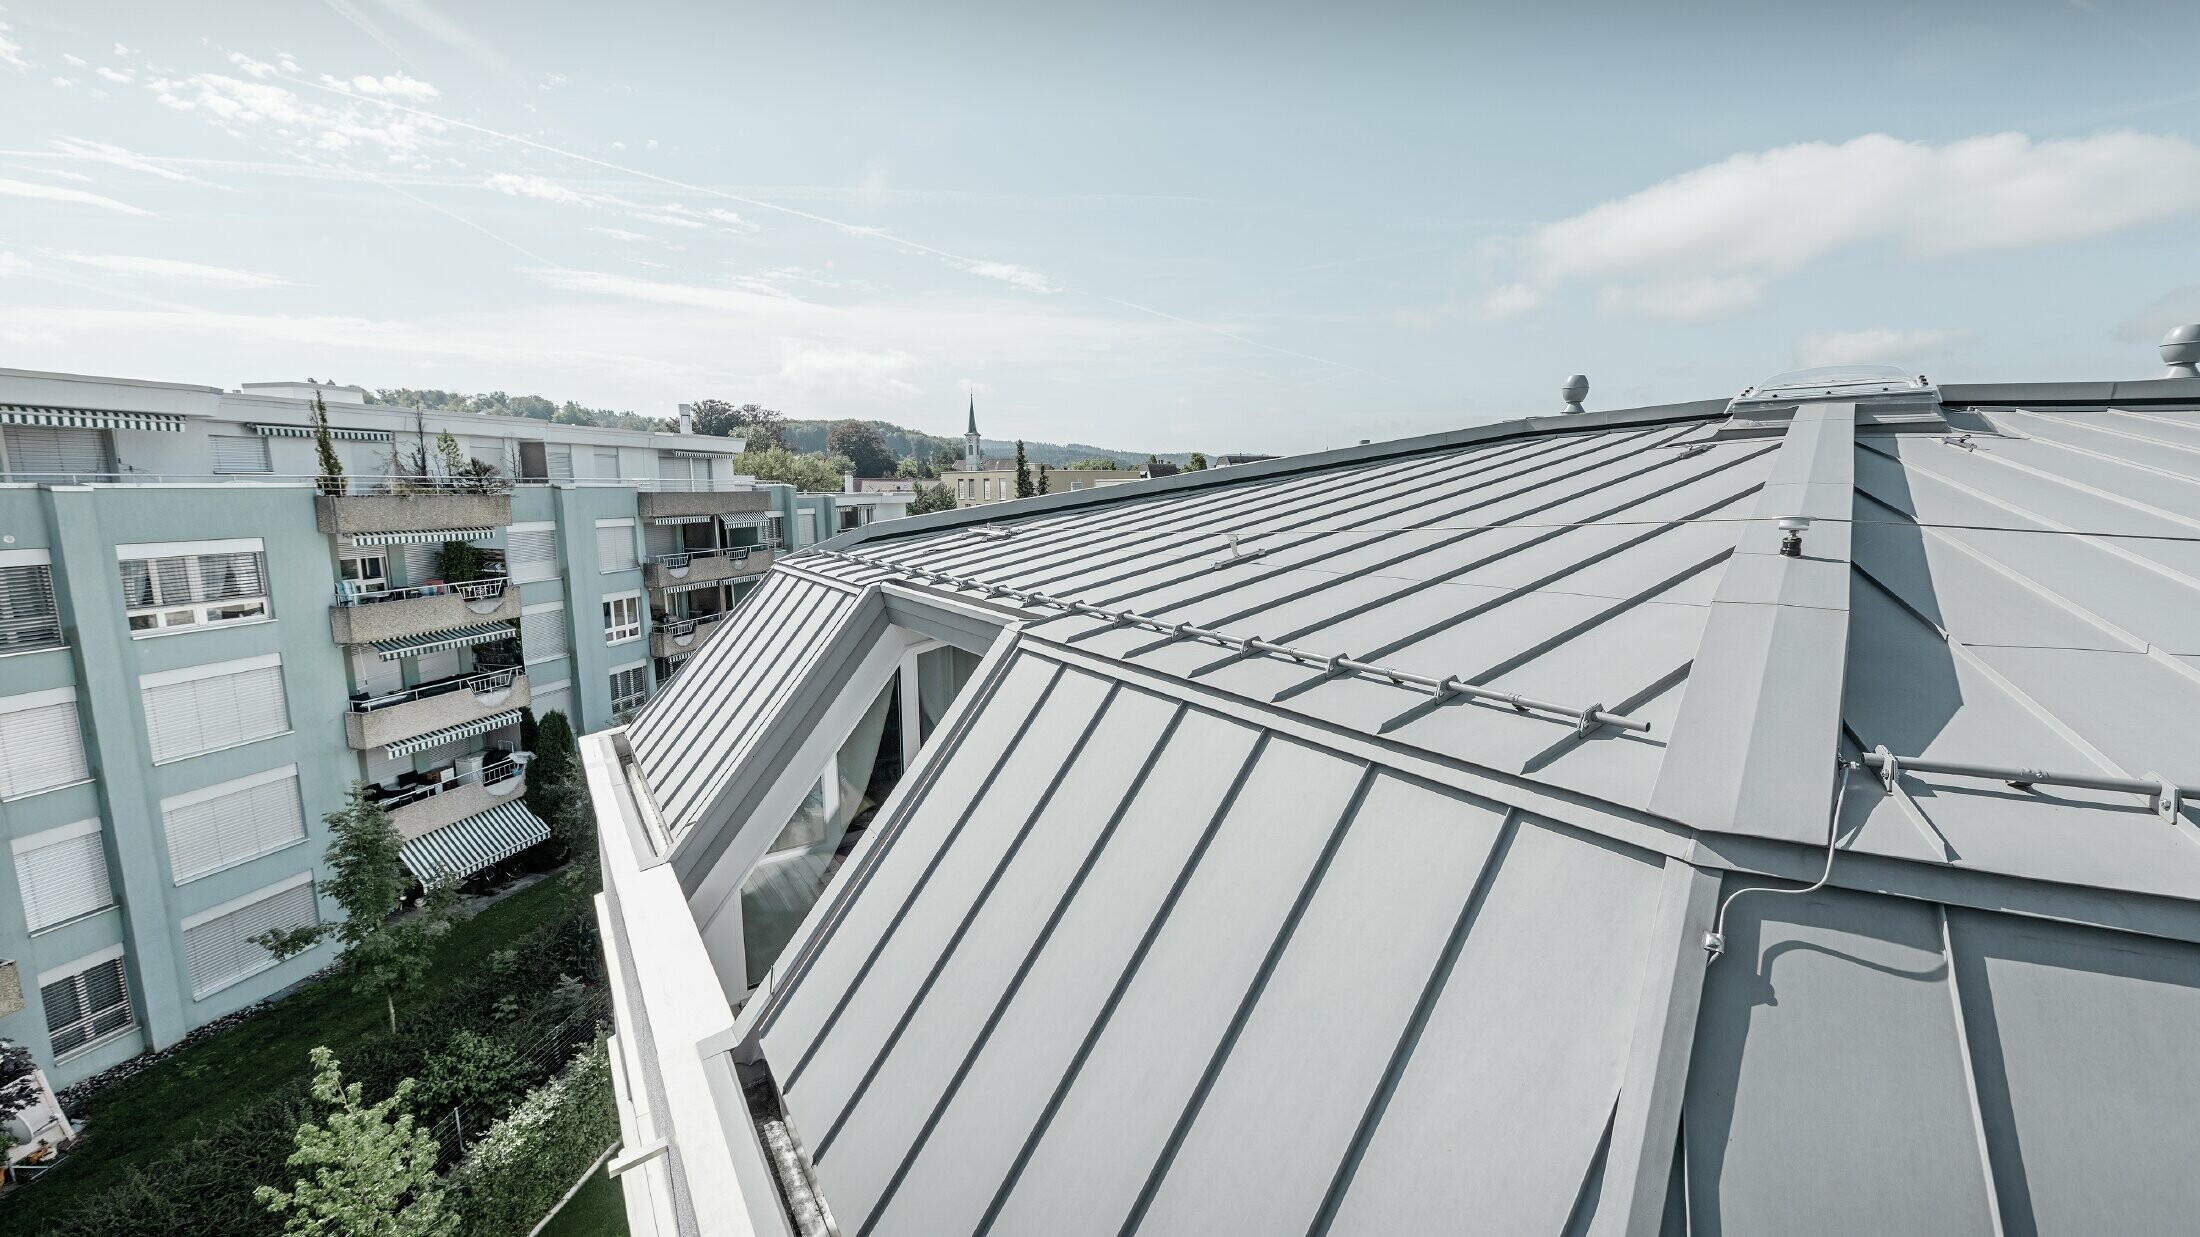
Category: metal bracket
[1589,720]
[2170,803]
[1890,768]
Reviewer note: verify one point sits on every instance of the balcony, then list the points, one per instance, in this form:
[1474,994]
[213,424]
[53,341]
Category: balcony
[690,567]
[354,515]
[475,784]
[680,637]
[382,720]
[672,503]
[396,613]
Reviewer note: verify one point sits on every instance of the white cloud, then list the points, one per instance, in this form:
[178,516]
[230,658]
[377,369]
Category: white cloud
[115,75]
[394,86]
[619,234]
[813,367]
[1683,300]
[239,107]
[116,155]
[514,185]
[11,52]
[1015,276]
[169,268]
[251,67]
[1512,299]
[1884,345]
[1760,215]
[58,193]
[692,296]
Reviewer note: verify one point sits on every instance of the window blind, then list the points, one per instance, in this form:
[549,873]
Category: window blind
[629,688]
[615,547]
[215,828]
[62,874]
[220,950]
[188,578]
[240,453]
[542,634]
[41,746]
[38,449]
[220,710]
[531,551]
[28,619]
[89,1005]
[558,457]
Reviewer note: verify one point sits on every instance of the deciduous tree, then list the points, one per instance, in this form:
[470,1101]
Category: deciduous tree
[863,445]
[366,1170]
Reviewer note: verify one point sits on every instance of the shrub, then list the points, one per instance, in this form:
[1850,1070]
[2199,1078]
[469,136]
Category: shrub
[532,1157]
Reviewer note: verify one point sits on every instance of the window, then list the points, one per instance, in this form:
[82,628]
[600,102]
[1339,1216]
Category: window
[629,688]
[240,453]
[86,1002]
[207,708]
[28,619]
[607,464]
[42,452]
[558,457]
[365,571]
[615,546]
[531,552]
[201,584]
[556,698]
[542,632]
[622,618]
[63,875]
[222,826]
[218,943]
[41,745]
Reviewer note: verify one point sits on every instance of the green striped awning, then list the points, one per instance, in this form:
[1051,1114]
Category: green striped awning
[306,431]
[89,418]
[425,536]
[451,734]
[437,641]
[464,847]
[757,520]
[682,519]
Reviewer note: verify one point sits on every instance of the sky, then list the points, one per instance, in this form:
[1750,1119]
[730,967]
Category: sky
[1219,226]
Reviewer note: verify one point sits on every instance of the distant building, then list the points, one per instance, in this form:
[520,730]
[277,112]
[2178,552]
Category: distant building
[200,653]
[976,480]
[1226,461]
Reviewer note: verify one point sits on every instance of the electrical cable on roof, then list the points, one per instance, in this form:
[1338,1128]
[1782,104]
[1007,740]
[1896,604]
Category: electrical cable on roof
[1714,941]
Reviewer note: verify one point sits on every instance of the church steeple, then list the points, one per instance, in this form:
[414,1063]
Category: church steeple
[972,454]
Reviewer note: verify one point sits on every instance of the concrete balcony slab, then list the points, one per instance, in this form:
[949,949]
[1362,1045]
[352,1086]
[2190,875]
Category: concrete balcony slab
[395,619]
[347,514]
[423,713]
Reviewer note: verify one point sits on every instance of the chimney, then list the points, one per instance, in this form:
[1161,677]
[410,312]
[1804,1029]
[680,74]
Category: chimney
[687,418]
[2181,351]
[1575,391]
[847,483]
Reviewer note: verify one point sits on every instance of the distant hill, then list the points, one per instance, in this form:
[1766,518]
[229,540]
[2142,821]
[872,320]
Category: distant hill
[905,443]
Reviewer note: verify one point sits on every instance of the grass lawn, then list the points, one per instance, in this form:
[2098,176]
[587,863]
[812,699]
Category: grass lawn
[140,1117]
[599,1210]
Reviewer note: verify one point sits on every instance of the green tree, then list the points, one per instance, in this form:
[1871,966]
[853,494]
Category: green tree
[813,473]
[324,450]
[1044,483]
[1097,462]
[17,1091]
[554,758]
[930,498]
[861,442]
[382,956]
[1198,462]
[1024,486]
[367,1170]
[452,458]
[761,426]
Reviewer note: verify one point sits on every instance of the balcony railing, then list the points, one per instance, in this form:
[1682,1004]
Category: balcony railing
[736,554]
[481,683]
[497,772]
[488,588]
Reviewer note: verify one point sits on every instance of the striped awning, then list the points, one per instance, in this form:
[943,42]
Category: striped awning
[452,734]
[306,431]
[464,847]
[746,521]
[89,419]
[700,455]
[683,519]
[689,588]
[437,641]
[436,535]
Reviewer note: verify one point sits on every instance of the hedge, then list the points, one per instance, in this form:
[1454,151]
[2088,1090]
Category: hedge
[203,1187]
[512,1178]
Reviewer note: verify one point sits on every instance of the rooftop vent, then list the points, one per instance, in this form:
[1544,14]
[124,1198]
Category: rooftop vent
[2181,351]
[1575,391]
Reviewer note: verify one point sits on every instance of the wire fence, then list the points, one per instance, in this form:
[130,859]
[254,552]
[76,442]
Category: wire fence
[539,1057]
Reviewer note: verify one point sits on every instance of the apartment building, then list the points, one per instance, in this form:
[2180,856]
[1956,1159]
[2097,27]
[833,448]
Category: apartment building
[200,652]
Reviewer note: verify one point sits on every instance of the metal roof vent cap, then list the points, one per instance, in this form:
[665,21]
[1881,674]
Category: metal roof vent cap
[1575,391]
[2181,351]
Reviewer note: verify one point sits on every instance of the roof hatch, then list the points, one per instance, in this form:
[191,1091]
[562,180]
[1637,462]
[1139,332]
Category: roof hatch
[1883,395]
